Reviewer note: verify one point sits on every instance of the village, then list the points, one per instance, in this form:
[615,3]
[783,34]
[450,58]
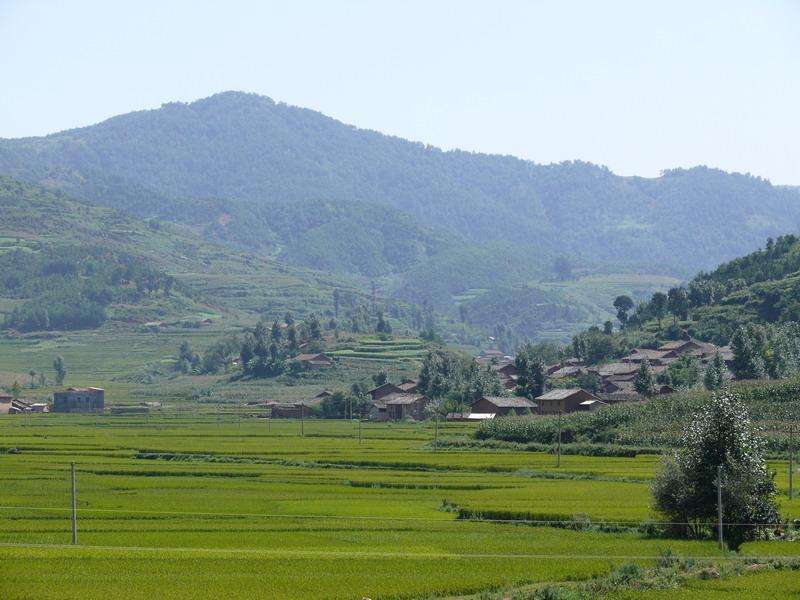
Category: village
[613,383]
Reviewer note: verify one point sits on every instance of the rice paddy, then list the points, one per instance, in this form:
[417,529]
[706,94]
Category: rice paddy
[224,506]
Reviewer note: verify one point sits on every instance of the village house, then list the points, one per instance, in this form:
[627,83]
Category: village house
[5,403]
[383,390]
[568,400]
[568,371]
[654,357]
[79,400]
[408,385]
[501,406]
[405,406]
[314,362]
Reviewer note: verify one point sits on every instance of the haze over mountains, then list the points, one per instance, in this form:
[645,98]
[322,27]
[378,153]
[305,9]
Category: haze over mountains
[293,183]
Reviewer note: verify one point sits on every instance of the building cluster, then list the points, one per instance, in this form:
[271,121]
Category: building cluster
[71,400]
[616,378]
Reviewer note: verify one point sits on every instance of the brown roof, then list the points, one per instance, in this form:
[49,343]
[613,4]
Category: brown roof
[649,354]
[407,385]
[403,399]
[615,368]
[567,371]
[509,401]
[562,393]
[311,357]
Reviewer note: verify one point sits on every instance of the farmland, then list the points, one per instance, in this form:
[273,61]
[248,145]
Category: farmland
[228,505]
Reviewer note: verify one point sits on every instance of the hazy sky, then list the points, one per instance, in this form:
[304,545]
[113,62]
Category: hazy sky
[639,86]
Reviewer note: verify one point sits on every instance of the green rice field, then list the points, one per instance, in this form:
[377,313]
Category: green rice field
[201,505]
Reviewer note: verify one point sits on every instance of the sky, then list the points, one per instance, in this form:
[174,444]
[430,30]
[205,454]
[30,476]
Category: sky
[636,86]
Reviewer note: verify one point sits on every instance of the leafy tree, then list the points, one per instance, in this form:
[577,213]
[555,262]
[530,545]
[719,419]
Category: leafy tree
[623,304]
[685,491]
[61,370]
[16,390]
[313,327]
[562,268]
[677,303]
[383,325]
[683,373]
[748,361]
[714,378]
[593,346]
[608,328]
[441,373]
[380,378]
[530,372]
[658,306]
[32,375]
[643,382]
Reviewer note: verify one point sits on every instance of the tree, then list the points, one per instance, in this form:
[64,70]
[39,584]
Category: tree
[683,373]
[61,370]
[748,362]
[608,328]
[643,382]
[678,303]
[441,373]
[42,380]
[314,328]
[380,378]
[714,377]
[383,325]
[32,375]
[336,300]
[562,268]
[658,306]
[623,304]
[685,491]
[16,390]
[530,372]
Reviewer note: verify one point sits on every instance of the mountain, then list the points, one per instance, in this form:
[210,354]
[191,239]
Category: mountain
[250,150]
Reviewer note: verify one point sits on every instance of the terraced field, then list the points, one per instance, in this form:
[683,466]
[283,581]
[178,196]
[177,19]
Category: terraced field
[369,348]
[221,507]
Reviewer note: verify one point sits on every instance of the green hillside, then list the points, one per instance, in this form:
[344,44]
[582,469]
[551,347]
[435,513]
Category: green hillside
[243,147]
[211,276]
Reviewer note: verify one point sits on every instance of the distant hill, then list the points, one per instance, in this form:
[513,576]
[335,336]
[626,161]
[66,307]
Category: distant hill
[256,153]
[66,264]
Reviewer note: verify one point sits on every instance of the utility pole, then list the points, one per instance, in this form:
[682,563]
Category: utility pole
[269,421]
[558,451]
[719,508]
[74,508]
[302,429]
[359,429]
[436,432]
[791,461]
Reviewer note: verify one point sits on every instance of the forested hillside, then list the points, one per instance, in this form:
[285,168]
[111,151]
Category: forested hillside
[244,147]
[65,264]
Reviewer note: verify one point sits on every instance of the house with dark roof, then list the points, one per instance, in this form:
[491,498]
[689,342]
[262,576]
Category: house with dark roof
[79,400]
[502,405]
[567,371]
[567,400]
[314,362]
[408,385]
[654,357]
[406,406]
[383,390]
